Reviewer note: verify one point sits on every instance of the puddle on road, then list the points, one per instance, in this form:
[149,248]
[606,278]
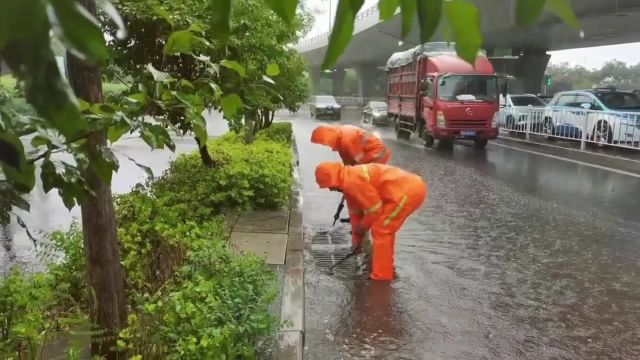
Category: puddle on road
[360,319]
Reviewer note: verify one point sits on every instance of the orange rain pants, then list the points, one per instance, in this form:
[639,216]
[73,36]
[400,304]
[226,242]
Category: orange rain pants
[380,198]
[354,145]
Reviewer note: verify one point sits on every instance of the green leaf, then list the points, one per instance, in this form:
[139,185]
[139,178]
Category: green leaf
[199,127]
[464,18]
[14,162]
[528,11]
[235,66]
[115,132]
[388,8]
[39,140]
[196,28]
[429,14]
[102,109]
[408,13]
[230,105]
[342,30]
[105,164]
[562,8]
[273,69]
[158,75]
[138,98]
[157,137]
[220,18]
[194,101]
[286,9]
[78,30]
[164,14]
[180,42]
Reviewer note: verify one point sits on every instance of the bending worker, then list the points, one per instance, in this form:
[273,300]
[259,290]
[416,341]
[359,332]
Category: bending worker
[380,197]
[354,145]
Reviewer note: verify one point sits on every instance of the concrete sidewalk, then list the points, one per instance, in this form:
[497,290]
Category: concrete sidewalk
[277,236]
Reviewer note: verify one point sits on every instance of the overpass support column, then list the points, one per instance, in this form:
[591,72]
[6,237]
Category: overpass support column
[531,68]
[337,78]
[316,76]
[371,81]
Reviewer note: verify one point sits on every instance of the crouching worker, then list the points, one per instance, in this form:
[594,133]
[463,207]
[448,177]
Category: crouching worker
[380,198]
[354,145]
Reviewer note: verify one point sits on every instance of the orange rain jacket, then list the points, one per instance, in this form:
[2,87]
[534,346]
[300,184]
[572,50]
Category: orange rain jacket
[368,187]
[354,145]
[380,197]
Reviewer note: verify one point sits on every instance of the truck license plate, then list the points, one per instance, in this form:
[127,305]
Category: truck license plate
[468,133]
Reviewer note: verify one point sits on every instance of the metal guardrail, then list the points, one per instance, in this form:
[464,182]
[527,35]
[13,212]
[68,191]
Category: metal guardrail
[373,9]
[601,128]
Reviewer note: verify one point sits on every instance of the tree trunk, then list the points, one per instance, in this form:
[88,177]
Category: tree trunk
[205,156]
[249,124]
[104,273]
[270,115]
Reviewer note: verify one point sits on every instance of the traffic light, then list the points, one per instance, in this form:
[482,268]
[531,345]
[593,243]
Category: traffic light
[548,79]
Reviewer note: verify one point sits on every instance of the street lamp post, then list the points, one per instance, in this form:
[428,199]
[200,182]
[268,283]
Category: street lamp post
[330,14]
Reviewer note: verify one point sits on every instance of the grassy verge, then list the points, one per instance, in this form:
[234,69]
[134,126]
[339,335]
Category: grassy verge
[190,296]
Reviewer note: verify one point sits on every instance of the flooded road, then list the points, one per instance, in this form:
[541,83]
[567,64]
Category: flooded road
[513,256]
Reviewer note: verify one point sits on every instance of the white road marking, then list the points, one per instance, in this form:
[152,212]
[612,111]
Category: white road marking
[622,172]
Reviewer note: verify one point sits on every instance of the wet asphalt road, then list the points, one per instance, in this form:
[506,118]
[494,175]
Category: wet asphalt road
[513,256]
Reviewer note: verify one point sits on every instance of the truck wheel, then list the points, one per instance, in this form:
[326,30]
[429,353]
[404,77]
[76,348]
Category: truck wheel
[401,134]
[429,140]
[480,143]
[445,144]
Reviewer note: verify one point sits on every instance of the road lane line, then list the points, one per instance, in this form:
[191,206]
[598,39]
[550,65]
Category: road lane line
[622,172]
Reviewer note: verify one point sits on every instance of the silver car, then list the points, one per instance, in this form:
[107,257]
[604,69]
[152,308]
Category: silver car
[375,112]
[325,105]
[515,110]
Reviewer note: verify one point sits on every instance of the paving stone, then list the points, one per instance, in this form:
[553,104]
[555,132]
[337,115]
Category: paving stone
[268,221]
[293,299]
[270,246]
[290,345]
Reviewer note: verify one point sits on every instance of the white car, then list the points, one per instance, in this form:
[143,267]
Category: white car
[515,110]
[610,116]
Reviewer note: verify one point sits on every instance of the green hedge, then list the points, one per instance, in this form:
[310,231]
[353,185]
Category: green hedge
[192,297]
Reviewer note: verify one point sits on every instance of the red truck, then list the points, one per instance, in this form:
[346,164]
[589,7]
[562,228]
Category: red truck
[435,93]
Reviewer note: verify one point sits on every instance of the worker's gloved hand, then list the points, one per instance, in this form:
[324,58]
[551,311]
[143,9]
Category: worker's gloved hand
[357,235]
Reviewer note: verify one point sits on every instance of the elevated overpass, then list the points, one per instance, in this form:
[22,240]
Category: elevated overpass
[518,52]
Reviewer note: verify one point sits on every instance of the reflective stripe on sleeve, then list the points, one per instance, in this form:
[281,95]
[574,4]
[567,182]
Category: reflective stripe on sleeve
[375,207]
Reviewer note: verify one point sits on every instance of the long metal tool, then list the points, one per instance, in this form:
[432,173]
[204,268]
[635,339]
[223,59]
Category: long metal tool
[336,216]
[349,255]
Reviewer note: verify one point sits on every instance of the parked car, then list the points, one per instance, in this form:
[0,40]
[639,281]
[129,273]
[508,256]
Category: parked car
[325,105]
[515,110]
[609,115]
[375,112]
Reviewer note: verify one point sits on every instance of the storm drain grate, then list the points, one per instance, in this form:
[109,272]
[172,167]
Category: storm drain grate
[324,235]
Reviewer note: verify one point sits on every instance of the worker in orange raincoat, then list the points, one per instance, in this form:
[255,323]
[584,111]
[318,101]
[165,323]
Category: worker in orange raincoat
[380,197]
[354,145]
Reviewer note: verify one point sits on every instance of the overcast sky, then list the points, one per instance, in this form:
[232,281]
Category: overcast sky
[587,57]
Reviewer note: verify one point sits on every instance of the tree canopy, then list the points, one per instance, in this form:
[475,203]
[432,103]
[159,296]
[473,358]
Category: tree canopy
[567,77]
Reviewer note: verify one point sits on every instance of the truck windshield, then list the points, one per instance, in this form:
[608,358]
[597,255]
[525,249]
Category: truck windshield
[468,88]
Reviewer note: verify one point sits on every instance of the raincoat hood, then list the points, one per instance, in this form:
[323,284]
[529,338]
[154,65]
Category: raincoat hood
[329,174]
[326,135]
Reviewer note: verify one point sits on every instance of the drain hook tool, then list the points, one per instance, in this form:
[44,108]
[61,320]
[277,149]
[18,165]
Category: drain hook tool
[349,255]
[336,216]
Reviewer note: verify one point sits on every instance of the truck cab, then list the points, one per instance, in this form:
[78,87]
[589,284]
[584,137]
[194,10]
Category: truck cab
[452,99]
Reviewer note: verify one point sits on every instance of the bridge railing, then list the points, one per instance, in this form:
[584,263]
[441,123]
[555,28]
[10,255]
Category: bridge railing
[363,14]
[601,128]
